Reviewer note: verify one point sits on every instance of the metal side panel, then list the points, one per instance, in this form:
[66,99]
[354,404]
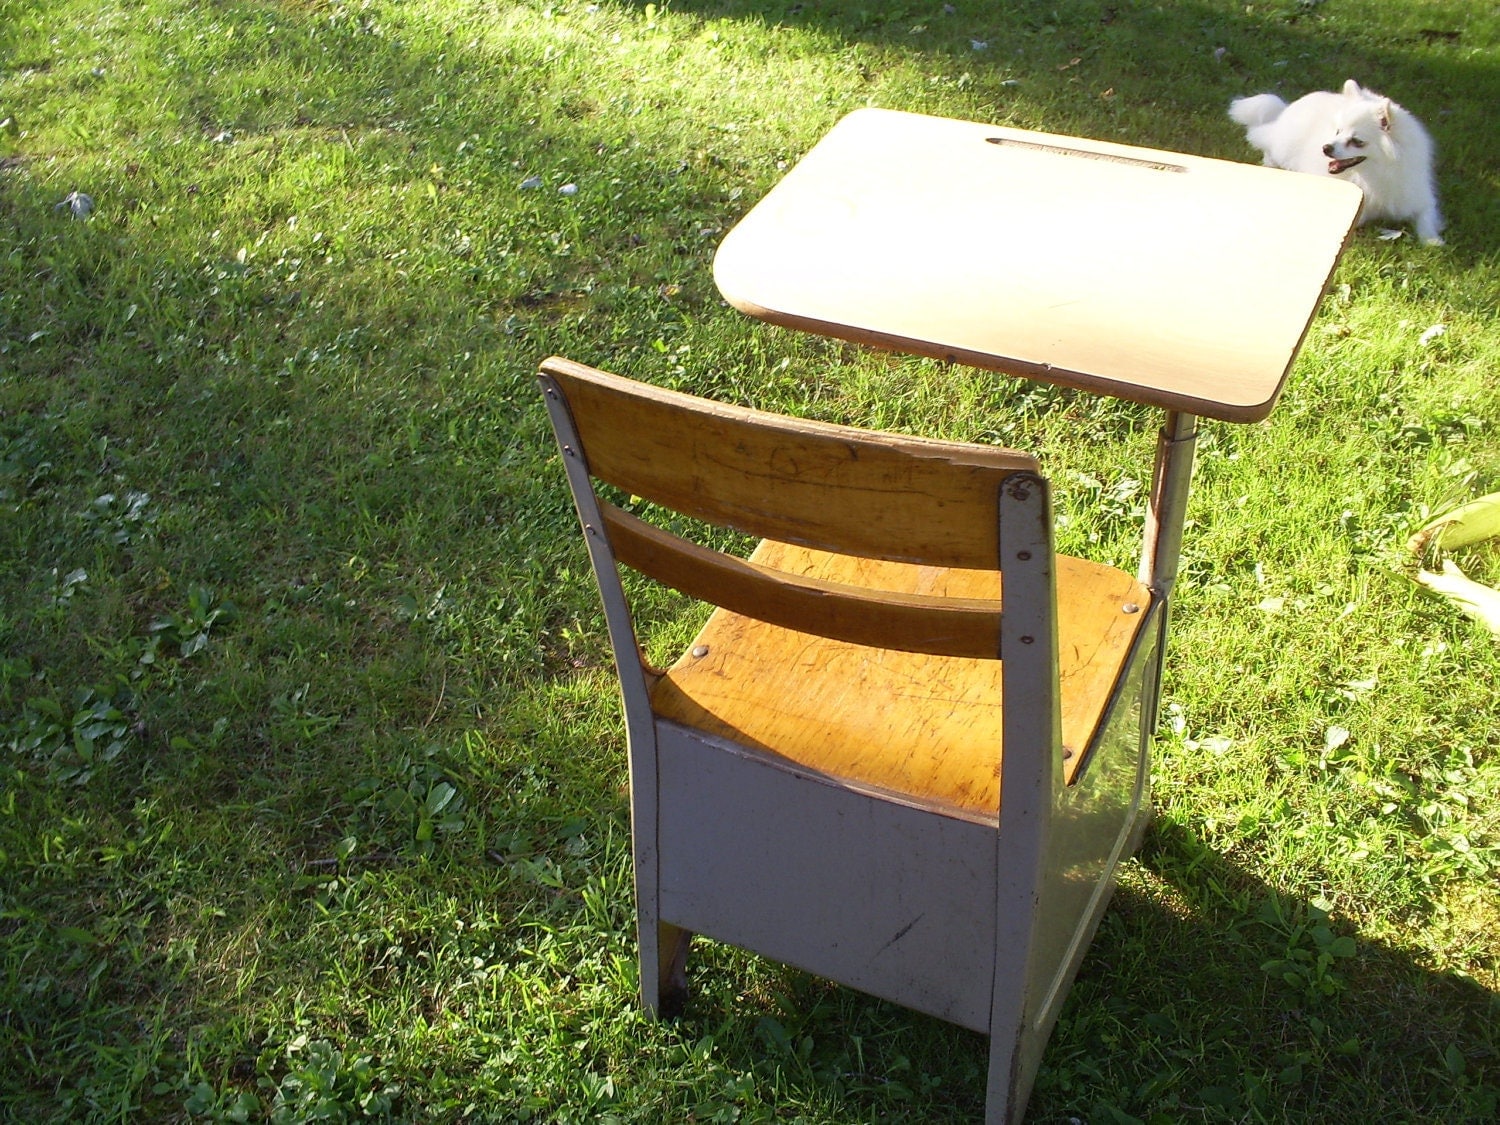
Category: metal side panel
[887,898]
[1096,824]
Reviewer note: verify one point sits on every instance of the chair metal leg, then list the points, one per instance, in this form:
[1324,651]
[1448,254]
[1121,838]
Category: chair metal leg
[662,950]
[672,950]
[1005,1100]
[648,954]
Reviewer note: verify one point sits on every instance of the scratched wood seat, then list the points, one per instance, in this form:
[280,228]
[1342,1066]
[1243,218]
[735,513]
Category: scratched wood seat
[907,750]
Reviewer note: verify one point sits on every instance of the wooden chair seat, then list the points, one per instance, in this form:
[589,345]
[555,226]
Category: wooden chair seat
[920,726]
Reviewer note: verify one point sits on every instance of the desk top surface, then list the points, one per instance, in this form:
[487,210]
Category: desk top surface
[1174,280]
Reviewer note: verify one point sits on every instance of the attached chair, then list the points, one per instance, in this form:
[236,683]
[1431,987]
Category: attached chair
[908,748]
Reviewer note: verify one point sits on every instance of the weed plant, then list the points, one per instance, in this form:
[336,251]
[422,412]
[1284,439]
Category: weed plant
[311,764]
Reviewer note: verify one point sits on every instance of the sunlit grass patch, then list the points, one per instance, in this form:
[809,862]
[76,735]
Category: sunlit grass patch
[311,765]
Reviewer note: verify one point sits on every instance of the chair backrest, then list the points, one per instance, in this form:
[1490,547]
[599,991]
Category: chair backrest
[833,488]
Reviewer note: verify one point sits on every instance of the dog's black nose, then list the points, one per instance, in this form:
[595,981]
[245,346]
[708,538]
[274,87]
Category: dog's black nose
[1328,150]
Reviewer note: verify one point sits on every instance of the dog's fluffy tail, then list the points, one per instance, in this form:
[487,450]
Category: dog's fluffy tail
[1256,110]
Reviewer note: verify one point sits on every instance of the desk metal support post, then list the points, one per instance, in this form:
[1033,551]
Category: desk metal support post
[1162,550]
[1170,478]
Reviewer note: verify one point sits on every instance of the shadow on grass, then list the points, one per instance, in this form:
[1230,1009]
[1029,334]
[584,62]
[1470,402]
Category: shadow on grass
[1250,1003]
[1162,75]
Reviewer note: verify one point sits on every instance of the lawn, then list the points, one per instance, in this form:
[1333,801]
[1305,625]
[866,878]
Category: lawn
[311,761]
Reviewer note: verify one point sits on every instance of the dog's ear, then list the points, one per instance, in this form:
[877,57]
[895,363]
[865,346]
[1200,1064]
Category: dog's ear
[1351,89]
[1384,115]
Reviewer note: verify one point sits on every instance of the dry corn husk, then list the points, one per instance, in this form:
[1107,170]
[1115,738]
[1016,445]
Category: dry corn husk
[1473,522]
[1467,524]
[1479,602]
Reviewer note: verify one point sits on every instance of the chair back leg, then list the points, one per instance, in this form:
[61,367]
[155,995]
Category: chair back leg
[1009,1082]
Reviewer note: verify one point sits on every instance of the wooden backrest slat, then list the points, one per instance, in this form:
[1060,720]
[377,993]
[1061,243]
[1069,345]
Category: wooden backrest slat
[835,488]
[968,627]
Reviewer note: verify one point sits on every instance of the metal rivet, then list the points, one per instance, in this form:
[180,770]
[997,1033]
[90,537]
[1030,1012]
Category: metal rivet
[1131,607]
[588,527]
[1027,640]
[1067,752]
[700,651]
[1023,555]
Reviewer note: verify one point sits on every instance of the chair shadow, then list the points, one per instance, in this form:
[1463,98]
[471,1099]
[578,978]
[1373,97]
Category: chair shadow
[1207,995]
[1245,1002]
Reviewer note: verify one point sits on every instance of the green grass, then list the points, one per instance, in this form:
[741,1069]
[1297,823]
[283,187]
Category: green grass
[311,765]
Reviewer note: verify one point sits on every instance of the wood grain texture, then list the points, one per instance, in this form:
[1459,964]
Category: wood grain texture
[1168,279]
[858,614]
[833,487]
[925,727]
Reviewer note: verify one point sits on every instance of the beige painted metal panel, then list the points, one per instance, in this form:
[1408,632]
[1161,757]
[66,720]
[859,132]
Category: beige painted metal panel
[838,881]
[1096,824]
[876,894]
[1169,279]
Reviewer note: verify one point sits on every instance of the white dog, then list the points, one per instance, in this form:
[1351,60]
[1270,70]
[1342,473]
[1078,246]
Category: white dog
[1359,135]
